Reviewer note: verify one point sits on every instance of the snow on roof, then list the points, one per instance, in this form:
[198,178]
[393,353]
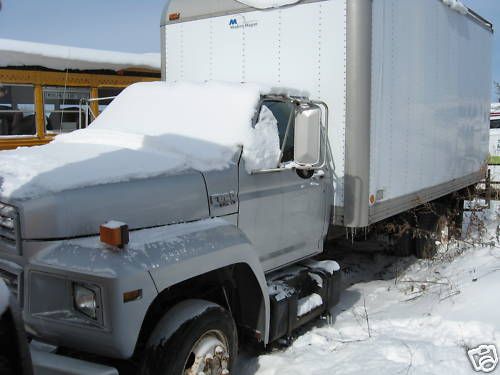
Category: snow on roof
[150,129]
[263,4]
[495,111]
[20,53]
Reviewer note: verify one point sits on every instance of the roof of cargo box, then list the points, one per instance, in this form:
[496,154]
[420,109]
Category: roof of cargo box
[192,9]
[187,10]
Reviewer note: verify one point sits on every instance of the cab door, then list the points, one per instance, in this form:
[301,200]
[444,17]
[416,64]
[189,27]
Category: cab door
[282,214]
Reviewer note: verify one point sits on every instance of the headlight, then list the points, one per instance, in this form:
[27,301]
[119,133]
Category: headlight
[85,300]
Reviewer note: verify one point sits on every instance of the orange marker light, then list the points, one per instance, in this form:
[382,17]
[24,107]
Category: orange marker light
[133,295]
[114,233]
[174,16]
[372,199]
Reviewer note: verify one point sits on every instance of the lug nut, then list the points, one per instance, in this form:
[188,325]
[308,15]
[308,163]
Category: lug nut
[219,350]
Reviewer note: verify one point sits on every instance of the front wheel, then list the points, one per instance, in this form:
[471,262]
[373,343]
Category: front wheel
[203,344]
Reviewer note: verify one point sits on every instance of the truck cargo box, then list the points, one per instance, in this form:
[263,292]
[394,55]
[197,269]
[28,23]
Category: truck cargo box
[407,82]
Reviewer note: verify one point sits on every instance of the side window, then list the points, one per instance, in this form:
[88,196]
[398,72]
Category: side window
[495,124]
[17,110]
[107,92]
[62,108]
[282,112]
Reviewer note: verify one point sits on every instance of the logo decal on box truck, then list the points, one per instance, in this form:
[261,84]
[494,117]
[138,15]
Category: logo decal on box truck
[240,22]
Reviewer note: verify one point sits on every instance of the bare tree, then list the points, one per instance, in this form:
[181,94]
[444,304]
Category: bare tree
[495,84]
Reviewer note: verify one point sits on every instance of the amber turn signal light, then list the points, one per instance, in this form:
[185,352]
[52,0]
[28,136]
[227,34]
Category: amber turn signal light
[174,16]
[114,233]
[132,295]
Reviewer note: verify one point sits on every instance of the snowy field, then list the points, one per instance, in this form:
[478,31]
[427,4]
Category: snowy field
[403,316]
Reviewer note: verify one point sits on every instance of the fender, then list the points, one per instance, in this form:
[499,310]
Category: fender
[154,260]
[192,249]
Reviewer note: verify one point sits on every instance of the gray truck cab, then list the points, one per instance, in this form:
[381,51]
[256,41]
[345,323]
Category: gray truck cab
[213,257]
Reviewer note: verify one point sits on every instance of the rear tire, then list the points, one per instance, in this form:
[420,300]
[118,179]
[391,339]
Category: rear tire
[207,341]
[434,230]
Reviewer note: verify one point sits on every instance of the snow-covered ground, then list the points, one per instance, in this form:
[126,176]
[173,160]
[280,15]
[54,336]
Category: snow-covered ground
[403,316]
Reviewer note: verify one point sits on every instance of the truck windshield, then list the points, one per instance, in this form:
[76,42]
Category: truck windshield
[282,112]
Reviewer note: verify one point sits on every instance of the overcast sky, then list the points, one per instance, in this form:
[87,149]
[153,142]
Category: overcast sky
[126,25]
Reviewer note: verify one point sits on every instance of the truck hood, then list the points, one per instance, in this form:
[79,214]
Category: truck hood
[140,203]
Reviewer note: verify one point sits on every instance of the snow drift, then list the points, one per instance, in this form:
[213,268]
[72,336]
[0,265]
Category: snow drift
[149,130]
[404,316]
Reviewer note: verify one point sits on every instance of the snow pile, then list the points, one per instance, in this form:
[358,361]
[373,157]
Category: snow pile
[307,304]
[495,109]
[150,129]
[457,5]
[329,266]
[20,53]
[280,290]
[264,4]
[403,316]
[4,297]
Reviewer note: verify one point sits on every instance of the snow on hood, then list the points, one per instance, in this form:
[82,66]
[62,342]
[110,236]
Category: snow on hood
[263,4]
[20,53]
[150,129]
[456,5]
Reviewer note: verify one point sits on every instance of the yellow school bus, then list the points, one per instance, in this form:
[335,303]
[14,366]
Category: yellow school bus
[42,87]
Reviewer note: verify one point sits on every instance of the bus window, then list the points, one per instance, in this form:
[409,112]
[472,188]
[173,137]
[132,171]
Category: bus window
[62,108]
[17,110]
[107,92]
[495,124]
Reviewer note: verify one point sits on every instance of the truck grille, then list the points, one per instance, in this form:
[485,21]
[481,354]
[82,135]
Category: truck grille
[9,229]
[13,282]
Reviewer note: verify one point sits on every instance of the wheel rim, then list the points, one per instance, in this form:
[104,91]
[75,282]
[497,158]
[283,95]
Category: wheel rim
[208,356]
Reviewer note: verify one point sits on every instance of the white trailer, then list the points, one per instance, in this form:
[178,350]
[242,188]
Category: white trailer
[407,82]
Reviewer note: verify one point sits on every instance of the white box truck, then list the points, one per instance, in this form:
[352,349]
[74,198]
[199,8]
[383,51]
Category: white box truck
[407,83]
[192,216]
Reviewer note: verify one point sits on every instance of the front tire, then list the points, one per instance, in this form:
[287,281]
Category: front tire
[203,344]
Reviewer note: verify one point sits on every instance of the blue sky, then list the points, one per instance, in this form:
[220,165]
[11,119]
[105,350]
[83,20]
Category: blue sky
[127,25]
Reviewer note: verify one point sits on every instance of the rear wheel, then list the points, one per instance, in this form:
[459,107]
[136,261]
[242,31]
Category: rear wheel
[203,344]
[433,230]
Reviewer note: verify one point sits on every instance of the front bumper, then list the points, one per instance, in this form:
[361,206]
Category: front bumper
[46,363]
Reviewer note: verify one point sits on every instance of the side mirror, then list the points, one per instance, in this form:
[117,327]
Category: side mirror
[307,139]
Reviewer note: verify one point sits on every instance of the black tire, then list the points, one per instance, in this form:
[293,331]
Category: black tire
[403,240]
[171,356]
[431,225]
[457,218]
[404,246]
[15,358]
